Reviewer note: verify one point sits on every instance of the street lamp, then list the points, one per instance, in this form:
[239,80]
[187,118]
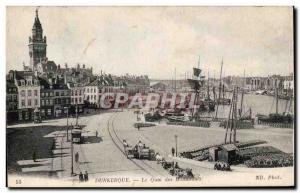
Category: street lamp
[67,122]
[72,152]
[176,144]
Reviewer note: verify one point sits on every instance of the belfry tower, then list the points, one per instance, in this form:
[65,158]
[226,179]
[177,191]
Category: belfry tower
[37,44]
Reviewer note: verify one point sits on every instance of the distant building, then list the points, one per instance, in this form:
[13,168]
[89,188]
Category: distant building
[133,84]
[47,98]
[158,86]
[62,99]
[92,92]
[77,97]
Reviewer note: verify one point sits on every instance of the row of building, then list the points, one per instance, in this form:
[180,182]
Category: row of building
[50,90]
[28,93]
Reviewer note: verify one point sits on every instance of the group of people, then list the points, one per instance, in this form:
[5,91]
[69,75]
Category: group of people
[222,166]
[83,177]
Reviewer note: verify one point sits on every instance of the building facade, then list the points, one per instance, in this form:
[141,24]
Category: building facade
[11,101]
[28,87]
[47,99]
[61,99]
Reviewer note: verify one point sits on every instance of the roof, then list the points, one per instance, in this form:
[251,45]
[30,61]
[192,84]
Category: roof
[37,24]
[60,87]
[44,82]
[229,147]
[10,84]
[157,83]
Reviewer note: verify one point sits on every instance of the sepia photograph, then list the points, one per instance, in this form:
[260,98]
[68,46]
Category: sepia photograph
[150,96]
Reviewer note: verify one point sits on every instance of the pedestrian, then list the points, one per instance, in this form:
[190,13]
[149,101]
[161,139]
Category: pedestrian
[138,127]
[76,157]
[34,156]
[173,151]
[86,176]
[81,177]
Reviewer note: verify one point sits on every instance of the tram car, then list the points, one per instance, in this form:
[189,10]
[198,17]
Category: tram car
[76,136]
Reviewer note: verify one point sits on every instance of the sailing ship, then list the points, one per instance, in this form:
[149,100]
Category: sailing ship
[285,117]
[197,83]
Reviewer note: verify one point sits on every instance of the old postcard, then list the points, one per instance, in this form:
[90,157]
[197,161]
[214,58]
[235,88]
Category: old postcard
[150,96]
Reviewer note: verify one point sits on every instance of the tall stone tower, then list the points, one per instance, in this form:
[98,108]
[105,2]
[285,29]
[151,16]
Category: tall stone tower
[37,44]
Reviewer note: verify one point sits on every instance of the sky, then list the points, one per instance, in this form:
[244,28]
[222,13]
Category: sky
[157,40]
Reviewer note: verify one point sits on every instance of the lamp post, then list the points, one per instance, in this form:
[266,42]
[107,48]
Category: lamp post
[72,150]
[67,122]
[176,144]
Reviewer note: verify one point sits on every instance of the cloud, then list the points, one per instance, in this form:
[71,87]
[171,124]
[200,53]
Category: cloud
[156,40]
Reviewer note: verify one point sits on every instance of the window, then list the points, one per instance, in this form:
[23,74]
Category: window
[57,93]
[43,102]
[63,93]
[29,92]
[46,94]
[42,94]
[15,97]
[79,92]
[76,100]
[59,101]
[47,102]
[29,102]
[88,90]
[49,111]
[80,100]
[36,102]
[23,103]
[75,92]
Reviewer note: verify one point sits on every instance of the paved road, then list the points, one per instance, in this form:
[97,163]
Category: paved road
[102,156]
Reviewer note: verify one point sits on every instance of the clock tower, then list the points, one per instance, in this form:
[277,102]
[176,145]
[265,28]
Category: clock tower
[37,44]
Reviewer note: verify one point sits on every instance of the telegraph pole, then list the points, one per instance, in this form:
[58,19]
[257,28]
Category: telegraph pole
[176,145]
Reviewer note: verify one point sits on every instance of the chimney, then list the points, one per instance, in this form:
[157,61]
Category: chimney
[78,66]
[66,65]
[58,66]
[83,66]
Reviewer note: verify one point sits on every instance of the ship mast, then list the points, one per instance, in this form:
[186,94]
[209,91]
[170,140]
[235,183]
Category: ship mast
[242,98]
[216,115]
[276,100]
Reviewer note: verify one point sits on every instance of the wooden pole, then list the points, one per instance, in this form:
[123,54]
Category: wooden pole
[228,120]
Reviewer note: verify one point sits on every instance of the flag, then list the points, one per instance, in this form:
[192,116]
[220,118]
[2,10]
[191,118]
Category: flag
[197,71]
